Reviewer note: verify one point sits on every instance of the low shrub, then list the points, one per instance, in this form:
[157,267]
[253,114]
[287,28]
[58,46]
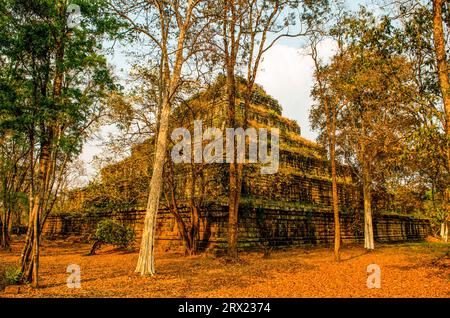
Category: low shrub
[12,275]
[114,233]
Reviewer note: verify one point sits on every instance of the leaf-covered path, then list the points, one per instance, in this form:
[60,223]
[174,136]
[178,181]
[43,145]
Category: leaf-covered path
[407,270]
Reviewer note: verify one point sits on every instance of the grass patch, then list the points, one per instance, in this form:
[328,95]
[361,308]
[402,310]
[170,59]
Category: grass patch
[12,275]
[426,247]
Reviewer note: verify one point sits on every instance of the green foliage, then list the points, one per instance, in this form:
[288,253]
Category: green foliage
[54,87]
[12,275]
[383,87]
[437,214]
[112,232]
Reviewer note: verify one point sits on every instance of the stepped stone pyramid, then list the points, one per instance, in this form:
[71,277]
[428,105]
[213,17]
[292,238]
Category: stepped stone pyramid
[303,177]
[289,208]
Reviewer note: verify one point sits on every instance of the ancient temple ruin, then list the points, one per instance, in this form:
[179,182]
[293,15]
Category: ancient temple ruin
[289,208]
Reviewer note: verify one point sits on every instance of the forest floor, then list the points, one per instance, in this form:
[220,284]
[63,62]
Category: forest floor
[407,270]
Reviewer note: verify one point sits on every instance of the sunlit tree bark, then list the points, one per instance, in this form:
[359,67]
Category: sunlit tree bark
[443,71]
[174,31]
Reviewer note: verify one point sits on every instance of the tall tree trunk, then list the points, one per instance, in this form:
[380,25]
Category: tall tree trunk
[233,205]
[442,66]
[330,117]
[257,30]
[30,256]
[182,229]
[232,213]
[5,242]
[445,230]
[5,217]
[194,229]
[195,218]
[7,231]
[337,224]
[368,224]
[239,169]
[35,277]
[231,47]
[9,225]
[1,232]
[172,201]
[26,251]
[146,261]
[40,192]
[4,237]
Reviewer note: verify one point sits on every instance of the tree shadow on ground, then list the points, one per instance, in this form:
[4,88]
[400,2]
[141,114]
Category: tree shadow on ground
[117,251]
[90,279]
[354,256]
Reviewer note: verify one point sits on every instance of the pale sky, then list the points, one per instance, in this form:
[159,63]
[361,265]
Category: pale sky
[286,73]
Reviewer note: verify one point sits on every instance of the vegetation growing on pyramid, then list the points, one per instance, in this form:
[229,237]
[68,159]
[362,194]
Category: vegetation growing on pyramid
[303,167]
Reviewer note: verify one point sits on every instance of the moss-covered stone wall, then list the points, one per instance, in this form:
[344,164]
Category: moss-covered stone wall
[259,227]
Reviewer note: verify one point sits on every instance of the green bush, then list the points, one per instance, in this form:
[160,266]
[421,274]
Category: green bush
[112,232]
[12,275]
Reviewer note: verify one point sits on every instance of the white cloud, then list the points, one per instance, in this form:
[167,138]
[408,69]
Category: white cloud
[94,147]
[286,73]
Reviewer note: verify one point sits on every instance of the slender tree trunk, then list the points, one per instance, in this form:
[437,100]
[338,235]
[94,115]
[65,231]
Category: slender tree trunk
[1,232]
[38,203]
[232,32]
[181,224]
[5,216]
[9,226]
[337,224]
[236,179]
[29,253]
[233,213]
[233,205]
[27,257]
[184,233]
[368,224]
[35,278]
[195,218]
[145,265]
[239,171]
[194,229]
[40,192]
[38,195]
[445,230]
[146,261]
[182,229]
[443,69]
[231,47]
[4,238]
[5,229]
[26,251]
[330,118]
